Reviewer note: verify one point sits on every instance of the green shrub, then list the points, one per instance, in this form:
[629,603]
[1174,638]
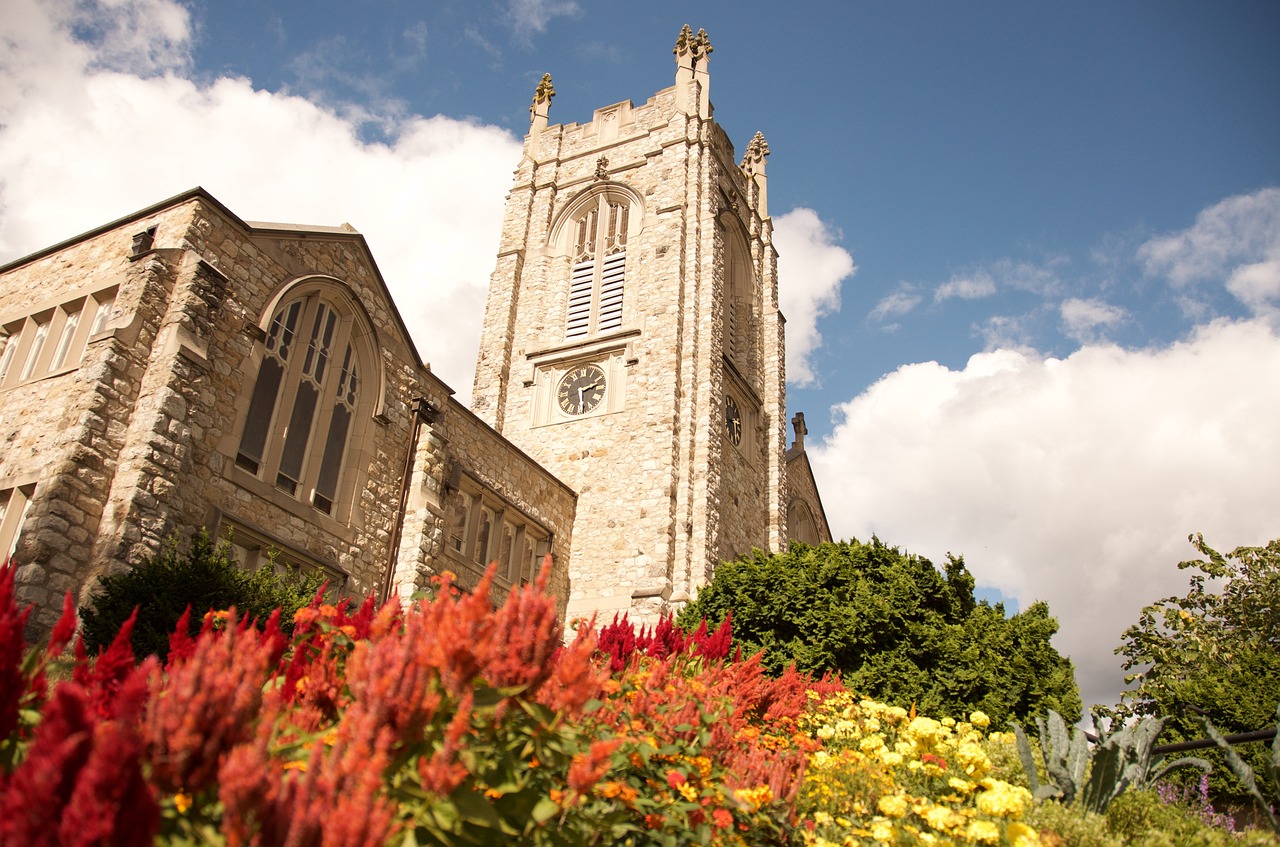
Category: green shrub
[205,577]
[1136,819]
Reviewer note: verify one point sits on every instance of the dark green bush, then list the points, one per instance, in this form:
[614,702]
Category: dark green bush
[205,578]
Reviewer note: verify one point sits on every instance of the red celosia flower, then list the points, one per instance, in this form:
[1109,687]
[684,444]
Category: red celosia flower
[441,773]
[206,706]
[586,769]
[12,646]
[103,677]
[81,782]
[575,679]
[64,629]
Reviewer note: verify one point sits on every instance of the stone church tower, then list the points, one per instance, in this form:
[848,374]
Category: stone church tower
[632,340]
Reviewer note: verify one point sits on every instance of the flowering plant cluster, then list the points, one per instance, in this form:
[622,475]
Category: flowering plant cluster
[888,776]
[448,722]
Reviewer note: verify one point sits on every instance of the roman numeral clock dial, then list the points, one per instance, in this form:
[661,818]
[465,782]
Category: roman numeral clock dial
[581,389]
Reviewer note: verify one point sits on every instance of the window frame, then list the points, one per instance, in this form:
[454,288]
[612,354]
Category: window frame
[52,340]
[15,503]
[330,347]
[530,540]
[597,259]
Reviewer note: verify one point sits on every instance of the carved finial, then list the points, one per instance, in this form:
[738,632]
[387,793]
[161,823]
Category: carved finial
[543,93]
[697,46]
[602,167]
[757,149]
[800,428]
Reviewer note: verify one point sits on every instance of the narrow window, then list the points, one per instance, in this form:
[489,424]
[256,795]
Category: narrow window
[102,314]
[10,343]
[460,518]
[482,536]
[506,553]
[66,338]
[335,445]
[37,347]
[14,505]
[262,404]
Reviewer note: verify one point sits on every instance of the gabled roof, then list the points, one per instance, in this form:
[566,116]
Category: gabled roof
[344,232]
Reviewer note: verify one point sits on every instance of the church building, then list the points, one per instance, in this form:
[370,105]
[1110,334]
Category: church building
[182,367]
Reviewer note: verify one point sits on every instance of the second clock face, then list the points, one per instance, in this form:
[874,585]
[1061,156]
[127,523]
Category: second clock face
[581,389]
[733,420]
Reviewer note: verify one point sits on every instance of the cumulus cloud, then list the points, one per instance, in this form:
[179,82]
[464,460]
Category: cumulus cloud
[1237,240]
[94,129]
[811,267]
[972,287]
[1082,319]
[1071,480]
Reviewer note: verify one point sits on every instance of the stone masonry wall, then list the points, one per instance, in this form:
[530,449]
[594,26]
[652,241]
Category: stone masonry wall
[660,498]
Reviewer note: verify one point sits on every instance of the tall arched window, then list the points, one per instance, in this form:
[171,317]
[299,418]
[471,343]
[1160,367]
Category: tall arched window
[599,231]
[305,400]
[737,296]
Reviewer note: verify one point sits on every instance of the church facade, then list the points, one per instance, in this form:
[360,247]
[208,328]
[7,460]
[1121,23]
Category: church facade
[182,367]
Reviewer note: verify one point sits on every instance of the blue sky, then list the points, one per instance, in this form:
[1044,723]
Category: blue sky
[1031,251]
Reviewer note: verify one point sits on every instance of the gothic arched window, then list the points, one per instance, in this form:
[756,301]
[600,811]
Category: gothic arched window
[737,297]
[598,232]
[304,404]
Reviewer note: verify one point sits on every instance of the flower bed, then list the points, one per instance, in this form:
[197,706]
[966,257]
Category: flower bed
[455,723]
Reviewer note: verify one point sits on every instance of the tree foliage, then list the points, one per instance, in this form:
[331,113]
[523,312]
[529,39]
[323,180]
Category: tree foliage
[205,577]
[895,627]
[1213,653]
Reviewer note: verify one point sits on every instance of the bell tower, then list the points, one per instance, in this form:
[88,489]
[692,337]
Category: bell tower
[632,341]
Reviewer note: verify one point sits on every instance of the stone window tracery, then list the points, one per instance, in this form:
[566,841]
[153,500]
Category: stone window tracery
[303,407]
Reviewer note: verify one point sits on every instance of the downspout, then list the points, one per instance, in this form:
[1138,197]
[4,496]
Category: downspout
[422,411]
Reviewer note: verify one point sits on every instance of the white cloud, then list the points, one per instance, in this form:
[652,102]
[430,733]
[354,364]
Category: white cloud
[811,268]
[897,303]
[1072,480]
[81,145]
[1081,319]
[528,16]
[1236,240]
[972,287]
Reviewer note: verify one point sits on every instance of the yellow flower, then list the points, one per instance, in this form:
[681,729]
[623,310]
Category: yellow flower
[942,819]
[688,792]
[1021,835]
[980,719]
[182,802]
[964,786]
[893,805]
[1000,799]
[983,832]
[882,831]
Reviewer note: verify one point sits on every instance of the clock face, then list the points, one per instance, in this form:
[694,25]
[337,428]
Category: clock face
[733,420]
[581,389]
